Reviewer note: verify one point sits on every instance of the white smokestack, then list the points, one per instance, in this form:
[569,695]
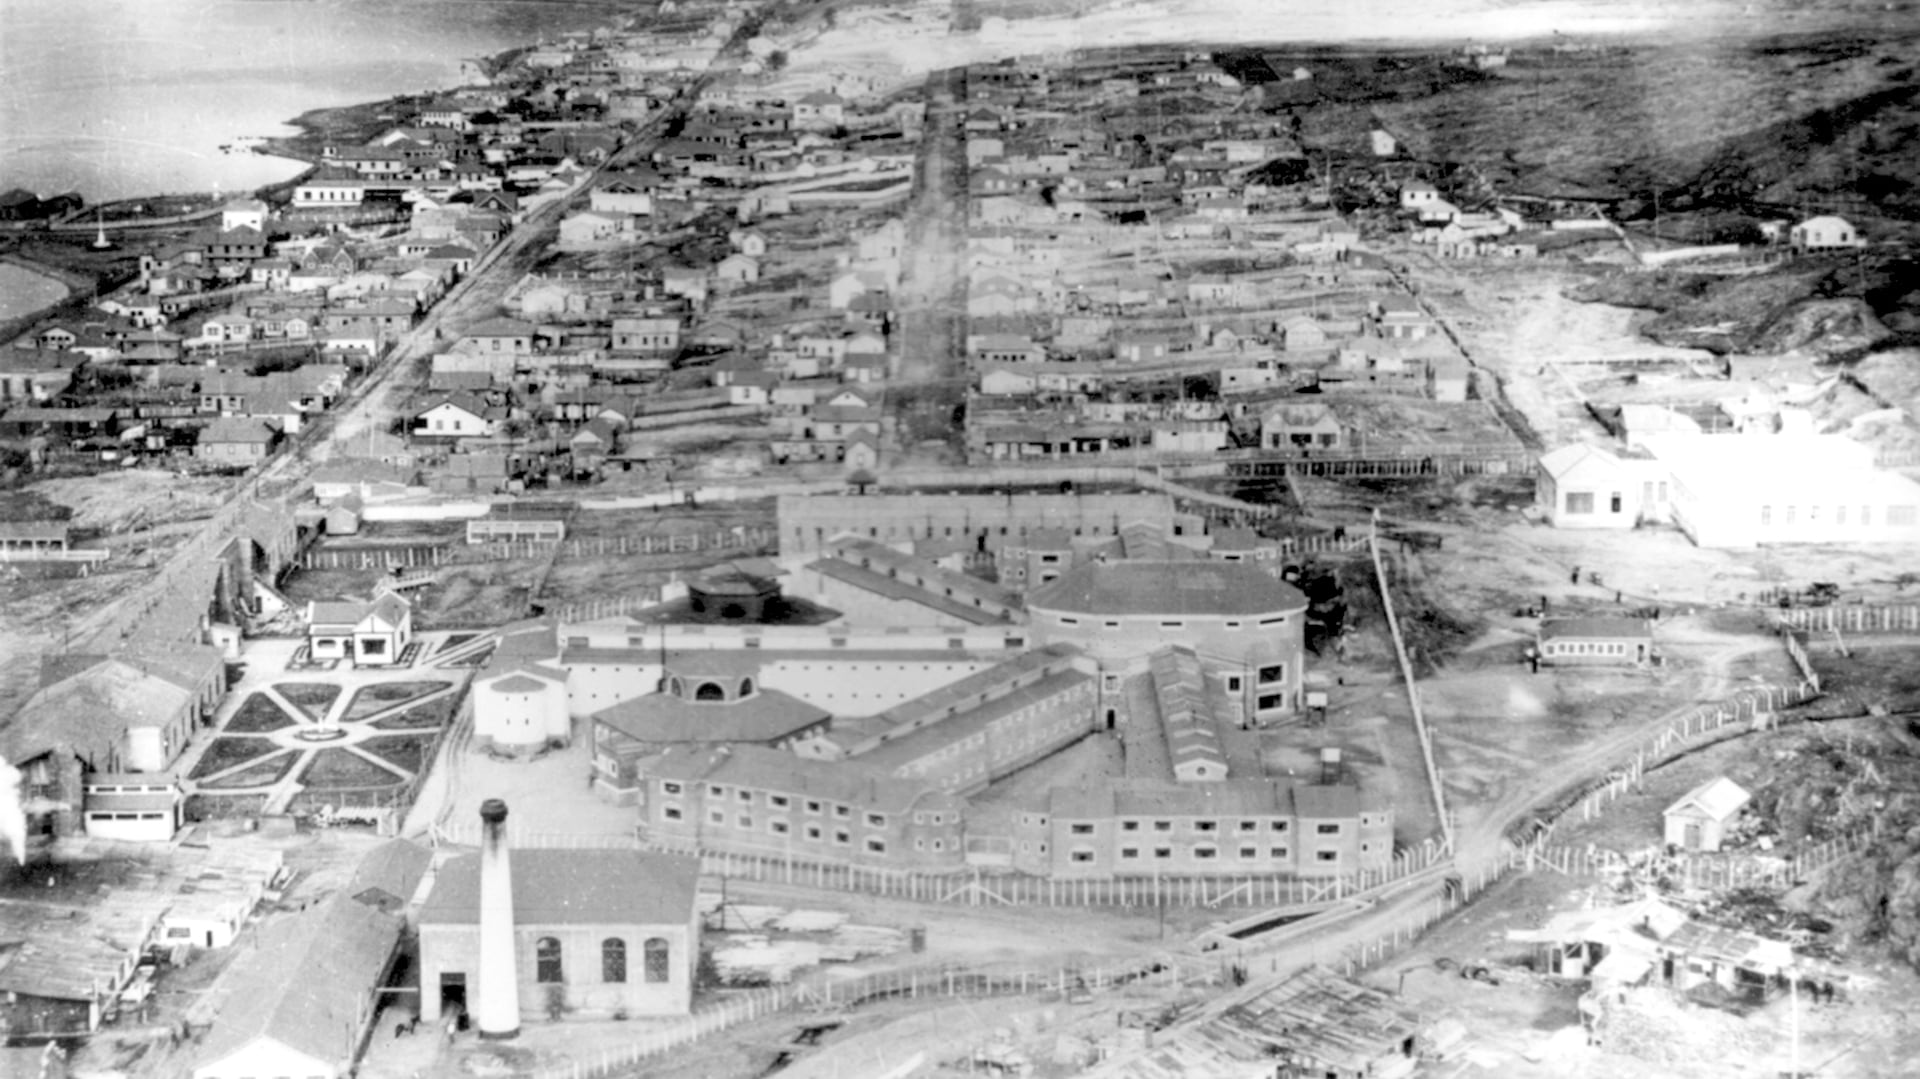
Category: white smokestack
[13,815]
[496,1005]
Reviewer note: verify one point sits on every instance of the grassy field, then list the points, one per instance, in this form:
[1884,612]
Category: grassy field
[380,697]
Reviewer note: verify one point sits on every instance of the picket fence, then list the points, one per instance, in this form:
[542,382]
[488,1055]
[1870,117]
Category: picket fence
[826,993]
[973,888]
[1436,787]
[416,555]
[1904,618]
[1709,872]
[1755,709]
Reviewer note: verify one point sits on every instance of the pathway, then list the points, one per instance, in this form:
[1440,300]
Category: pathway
[291,719]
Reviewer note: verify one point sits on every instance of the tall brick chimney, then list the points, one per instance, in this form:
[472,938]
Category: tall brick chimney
[496,1005]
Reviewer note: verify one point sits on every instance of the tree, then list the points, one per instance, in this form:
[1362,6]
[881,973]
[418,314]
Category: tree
[777,60]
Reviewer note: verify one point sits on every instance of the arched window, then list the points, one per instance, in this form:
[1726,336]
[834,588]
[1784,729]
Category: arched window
[658,969]
[675,687]
[546,961]
[613,960]
[709,691]
[746,687]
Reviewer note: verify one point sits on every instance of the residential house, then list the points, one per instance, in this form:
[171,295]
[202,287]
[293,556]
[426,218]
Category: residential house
[1584,486]
[1303,427]
[236,441]
[371,633]
[458,415]
[1825,233]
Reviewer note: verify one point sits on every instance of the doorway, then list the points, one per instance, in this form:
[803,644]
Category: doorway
[453,992]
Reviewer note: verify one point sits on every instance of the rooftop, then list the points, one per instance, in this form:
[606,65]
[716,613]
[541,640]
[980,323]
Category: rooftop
[1168,588]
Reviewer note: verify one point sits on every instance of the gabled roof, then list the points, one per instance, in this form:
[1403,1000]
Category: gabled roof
[1565,459]
[1596,628]
[574,887]
[1719,798]
[340,952]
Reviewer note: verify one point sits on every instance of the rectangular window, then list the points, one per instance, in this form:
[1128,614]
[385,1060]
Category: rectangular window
[1205,825]
[1791,510]
[778,827]
[813,831]
[1275,673]
[1204,854]
[716,792]
[1081,829]
[1326,829]
[1233,683]
[813,806]
[671,813]
[1579,501]
[1326,856]
[1766,516]
[842,812]
[1173,625]
[1249,825]
[842,836]
[1081,856]
[1614,503]
[714,816]
[1270,701]
[1279,826]
[746,796]
[744,821]
[1129,852]
[777,801]
[1278,852]
[1163,826]
[670,788]
[1163,852]
[1899,516]
[1839,515]
[877,846]
[1129,825]
[876,820]
[1866,516]
[1247,853]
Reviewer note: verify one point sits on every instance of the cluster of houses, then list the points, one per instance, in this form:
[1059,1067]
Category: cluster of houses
[781,329]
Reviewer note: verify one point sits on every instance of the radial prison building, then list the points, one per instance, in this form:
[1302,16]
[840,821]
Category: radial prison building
[1247,627]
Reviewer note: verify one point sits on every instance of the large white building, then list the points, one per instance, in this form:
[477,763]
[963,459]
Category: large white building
[1746,490]
[1733,490]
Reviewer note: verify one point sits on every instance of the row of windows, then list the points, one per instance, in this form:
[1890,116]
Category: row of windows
[779,801]
[780,827]
[1897,516]
[1584,648]
[549,967]
[1244,826]
[1170,623]
[1206,854]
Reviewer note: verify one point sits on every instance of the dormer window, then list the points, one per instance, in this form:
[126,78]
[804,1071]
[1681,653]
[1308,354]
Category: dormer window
[709,691]
[746,687]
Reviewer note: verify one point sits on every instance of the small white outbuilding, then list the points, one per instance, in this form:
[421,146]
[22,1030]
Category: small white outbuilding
[1699,820]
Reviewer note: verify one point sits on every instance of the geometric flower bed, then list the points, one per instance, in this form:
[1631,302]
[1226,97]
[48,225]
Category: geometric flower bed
[226,753]
[423,716]
[313,698]
[258,715]
[343,769]
[380,697]
[405,751]
[267,771]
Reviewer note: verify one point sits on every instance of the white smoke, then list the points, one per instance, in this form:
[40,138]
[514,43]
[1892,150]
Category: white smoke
[13,816]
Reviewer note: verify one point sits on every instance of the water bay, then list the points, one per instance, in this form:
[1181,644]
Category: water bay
[121,98]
